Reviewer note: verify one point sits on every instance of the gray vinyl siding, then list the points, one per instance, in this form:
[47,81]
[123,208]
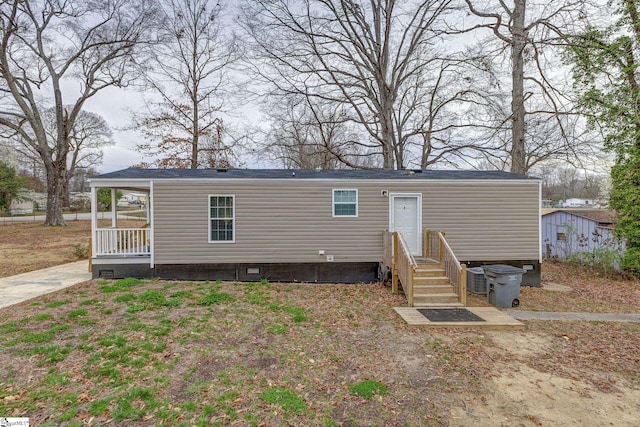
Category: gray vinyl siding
[582,235]
[290,221]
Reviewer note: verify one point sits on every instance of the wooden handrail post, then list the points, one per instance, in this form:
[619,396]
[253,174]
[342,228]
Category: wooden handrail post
[394,267]
[463,285]
[441,248]
[410,296]
[426,243]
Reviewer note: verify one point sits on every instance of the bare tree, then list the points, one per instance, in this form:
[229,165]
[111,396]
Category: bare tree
[311,136]
[363,56]
[45,45]
[561,182]
[437,107]
[190,74]
[89,135]
[538,98]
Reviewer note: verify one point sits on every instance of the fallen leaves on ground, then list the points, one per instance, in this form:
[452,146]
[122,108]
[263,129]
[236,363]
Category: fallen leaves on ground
[29,246]
[201,363]
[588,292]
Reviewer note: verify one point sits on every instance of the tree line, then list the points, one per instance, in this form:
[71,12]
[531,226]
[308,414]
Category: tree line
[390,84]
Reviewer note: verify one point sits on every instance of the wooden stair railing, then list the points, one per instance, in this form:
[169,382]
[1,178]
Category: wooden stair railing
[415,277]
[404,266]
[437,248]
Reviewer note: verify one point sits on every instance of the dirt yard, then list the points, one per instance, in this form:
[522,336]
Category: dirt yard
[562,373]
[197,353]
[31,246]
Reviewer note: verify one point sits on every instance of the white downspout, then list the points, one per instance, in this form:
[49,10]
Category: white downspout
[152,226]
[540,221]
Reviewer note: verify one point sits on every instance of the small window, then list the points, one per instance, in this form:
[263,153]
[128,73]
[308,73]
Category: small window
[561,232]
[221,219]
[345,203]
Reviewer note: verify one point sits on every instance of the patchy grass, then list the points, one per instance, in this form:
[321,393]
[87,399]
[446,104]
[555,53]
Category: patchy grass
[215,298]
[221,356]
[287,399]
[368,388]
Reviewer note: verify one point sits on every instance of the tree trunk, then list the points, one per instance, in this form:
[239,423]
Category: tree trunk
[390,157]
[66,196]
[55,184]
[518,153]
[195,149]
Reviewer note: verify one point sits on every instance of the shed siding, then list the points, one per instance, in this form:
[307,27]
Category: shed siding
[290,221]
[582,235]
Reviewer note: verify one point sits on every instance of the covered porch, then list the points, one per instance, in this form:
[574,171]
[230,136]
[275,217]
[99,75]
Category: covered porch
[124,234]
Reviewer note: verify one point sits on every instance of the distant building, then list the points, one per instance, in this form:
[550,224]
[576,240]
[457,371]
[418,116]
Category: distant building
[21,207]
[566,232]
[579,203]
[132,199]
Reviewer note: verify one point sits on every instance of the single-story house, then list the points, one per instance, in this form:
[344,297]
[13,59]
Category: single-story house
[313,225]
[132,198]
[566,232]
[21,206]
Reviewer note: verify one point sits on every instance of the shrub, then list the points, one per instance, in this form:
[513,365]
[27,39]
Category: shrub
[604,261]
[631,262]
[80,251]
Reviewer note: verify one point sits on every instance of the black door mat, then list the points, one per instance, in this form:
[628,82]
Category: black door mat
[449,315]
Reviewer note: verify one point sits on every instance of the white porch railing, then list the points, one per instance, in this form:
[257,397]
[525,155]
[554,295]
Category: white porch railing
[123,241]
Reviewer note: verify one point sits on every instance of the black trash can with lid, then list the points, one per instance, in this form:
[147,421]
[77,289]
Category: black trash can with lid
[503,284]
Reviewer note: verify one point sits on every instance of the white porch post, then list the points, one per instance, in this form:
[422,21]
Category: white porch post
[148,206]
[94,219]
[114,208]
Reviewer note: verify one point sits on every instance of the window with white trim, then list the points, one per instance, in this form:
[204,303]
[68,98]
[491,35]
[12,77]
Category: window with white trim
[221,218]
[345,203]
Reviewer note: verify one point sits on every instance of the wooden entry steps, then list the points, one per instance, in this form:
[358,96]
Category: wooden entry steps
[432,287]
[435,278]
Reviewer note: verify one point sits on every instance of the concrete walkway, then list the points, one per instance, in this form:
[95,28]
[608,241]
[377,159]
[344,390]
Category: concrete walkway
[22,287]
[559,315]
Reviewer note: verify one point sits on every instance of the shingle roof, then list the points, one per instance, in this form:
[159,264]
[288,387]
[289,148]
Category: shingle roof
[136,173]
[602,216]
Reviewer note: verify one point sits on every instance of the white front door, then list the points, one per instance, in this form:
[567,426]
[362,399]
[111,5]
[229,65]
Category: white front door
[405,217]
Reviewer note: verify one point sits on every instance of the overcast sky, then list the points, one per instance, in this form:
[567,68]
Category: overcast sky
[115,105]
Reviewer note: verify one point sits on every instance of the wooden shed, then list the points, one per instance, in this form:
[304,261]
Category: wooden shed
[566,232]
